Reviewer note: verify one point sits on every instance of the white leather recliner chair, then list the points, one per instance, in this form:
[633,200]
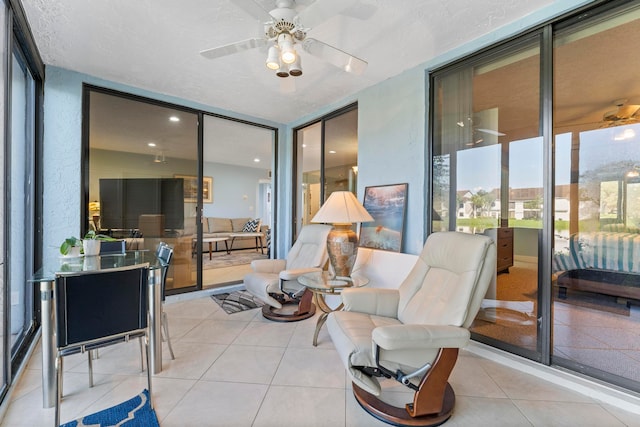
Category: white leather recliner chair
[413,333]
[275,281]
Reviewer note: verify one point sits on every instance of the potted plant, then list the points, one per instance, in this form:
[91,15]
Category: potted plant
[90,244]
[71,247]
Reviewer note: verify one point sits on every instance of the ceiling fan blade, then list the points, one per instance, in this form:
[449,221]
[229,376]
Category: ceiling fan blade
[232,48]
[335,56]
[491,132]
[253,9]
[321,10]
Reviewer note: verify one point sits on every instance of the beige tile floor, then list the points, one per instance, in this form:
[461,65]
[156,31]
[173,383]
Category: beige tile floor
[242,370]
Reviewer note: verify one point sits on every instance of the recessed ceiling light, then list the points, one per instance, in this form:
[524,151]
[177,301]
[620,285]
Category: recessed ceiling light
[332,152]
[151,144]
[257,160]
[174,119]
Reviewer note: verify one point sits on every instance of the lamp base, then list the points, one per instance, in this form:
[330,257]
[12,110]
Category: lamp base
[342,246]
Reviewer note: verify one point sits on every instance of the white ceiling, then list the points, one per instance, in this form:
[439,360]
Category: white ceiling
[154,45]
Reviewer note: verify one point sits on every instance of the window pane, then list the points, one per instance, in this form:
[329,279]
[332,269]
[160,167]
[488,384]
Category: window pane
[21,202]
[237,157]
[309,140]
[341,153]
[3,214]
[487,179]
[143,178]
[327,161]
[597,162]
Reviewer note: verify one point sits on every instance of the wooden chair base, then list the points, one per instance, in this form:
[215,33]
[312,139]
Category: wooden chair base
[306,309]
[399,416]
[277,315]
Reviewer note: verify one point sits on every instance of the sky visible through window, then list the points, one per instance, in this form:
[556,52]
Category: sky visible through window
[479,168]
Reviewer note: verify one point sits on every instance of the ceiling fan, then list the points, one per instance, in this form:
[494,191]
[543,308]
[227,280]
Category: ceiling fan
[284,31]
[482,126]
[623,114]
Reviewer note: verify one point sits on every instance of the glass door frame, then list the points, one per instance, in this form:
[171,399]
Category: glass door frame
[546,33]
[19,43]
[541,37]
[87,89]
[296,185]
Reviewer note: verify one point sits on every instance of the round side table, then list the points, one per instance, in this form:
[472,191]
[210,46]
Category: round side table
[323,283]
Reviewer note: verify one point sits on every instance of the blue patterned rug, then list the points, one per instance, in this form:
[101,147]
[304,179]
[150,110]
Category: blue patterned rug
[135,412]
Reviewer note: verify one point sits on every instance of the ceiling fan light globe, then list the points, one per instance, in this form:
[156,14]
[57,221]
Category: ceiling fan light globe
[289,57]
[282,72]
[273,58]
[287,53]
[295,69]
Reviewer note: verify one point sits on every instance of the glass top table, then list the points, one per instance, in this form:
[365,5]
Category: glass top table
[45,278]
[322,284]
[64,264]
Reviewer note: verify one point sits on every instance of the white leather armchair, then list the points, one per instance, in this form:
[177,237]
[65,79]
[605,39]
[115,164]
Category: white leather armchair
[274,281]
[413,333]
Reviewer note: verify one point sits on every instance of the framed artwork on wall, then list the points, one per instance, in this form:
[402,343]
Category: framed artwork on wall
[191,188]
[387,205]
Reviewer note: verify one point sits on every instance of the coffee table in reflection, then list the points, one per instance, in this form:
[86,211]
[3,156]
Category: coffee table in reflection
[211,241]
[323,283]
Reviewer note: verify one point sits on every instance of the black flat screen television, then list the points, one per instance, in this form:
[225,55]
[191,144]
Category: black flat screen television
[122,201]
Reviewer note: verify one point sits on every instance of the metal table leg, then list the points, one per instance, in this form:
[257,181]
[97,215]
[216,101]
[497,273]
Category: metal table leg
[155,320]
[323,317]
[48,342]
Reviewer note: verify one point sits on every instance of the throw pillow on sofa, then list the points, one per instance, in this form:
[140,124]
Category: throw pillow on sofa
[251,226]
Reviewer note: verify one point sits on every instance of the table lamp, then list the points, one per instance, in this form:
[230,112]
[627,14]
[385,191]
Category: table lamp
[342,209]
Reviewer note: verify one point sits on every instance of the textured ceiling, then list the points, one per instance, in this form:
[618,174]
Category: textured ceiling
[154,45]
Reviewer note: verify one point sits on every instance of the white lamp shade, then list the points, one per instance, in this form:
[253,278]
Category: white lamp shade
[342,207]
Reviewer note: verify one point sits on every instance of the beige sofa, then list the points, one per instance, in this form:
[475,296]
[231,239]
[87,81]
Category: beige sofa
[231,228]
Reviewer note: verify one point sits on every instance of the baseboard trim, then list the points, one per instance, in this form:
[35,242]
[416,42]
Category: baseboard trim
[606,393]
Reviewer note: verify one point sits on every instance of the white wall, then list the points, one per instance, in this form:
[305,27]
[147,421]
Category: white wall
[235,190]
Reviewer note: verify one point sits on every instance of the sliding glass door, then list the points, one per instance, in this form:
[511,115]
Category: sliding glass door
[142,181]
[147,182]
[326,161]
[238,160]
[4,314]
[487,175]
[536,143]
[21,195]
[21,103]
[596,293]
